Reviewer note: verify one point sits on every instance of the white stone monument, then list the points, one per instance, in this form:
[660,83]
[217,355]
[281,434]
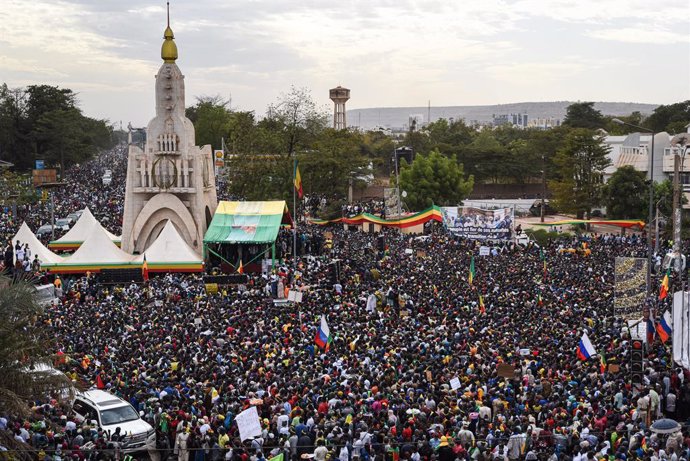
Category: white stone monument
[171,178]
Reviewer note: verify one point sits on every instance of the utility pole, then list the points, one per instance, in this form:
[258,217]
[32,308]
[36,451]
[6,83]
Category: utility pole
[543,186]
[676,205]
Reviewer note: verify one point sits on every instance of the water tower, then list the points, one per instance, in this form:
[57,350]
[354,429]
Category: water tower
[339,96]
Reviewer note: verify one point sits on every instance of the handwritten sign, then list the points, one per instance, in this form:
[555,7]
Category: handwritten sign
[248,424]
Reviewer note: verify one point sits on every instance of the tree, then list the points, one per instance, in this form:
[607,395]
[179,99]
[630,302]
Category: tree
[583,115]
[581,163]
[625,195]
[44,122]
[672,118]
[434,179]
[378,147]
[335,159]
[295,120]
[211,119]
[26,359]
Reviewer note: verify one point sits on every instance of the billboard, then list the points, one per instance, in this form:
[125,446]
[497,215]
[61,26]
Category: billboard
[41,177]
[390,200]
[478,224]
[630,287]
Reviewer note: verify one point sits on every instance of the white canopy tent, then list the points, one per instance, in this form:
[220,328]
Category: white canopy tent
[170,253]
[96,253]
[81,231]
[25,235]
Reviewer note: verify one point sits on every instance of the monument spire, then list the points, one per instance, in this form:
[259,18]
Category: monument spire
[169,48]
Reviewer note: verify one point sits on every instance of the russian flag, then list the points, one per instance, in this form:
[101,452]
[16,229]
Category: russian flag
[663,328]
[585,350]
[323,337]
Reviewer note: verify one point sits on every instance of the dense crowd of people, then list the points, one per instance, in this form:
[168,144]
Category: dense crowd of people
[412,371]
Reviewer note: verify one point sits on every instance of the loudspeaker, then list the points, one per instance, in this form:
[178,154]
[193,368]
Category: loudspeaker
[121,276]
[334,271]
[381,243]
[229,279]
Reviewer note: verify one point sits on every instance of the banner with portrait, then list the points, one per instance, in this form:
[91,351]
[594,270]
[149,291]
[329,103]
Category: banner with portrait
[478,224]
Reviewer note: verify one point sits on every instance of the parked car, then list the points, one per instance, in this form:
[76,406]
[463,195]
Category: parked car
[73,217]
[110,412]
[44,230]
[45,295]
[62,224]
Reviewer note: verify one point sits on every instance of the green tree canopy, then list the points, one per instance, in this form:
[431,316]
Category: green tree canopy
[434,179]
[580,163]
[44,122]
[583,115]
[672,118]
[625,194]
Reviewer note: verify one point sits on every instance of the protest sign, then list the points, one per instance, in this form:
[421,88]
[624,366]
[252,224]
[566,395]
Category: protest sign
[455,383]
[248,424]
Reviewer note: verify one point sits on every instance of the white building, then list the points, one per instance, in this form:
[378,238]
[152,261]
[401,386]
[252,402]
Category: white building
[634,149]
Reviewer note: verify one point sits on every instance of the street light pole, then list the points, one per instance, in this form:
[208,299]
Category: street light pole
[650,216]
[543,185]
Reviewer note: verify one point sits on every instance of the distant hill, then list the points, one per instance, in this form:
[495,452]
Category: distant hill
[397,117]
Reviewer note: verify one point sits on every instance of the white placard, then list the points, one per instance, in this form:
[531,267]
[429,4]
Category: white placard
[291,295]
[484,251]
[455,383]
[524,351]
[248,423]
[408,251]
[298,297]
[197,321]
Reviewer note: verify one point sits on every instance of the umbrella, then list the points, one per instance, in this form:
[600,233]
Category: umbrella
[665,426]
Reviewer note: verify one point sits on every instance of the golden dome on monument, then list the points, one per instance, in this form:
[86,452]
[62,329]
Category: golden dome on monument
[169,48]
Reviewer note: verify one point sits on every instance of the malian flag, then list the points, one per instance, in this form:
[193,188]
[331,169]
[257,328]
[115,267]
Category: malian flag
[585,350]
[298,181]
[482,307]
[323,337]
[663,328]
[663,291]
[471,274]
[145,270]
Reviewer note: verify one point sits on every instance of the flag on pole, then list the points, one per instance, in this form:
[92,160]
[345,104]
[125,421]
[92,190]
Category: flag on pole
[663,328]
[145,270]
[298,181]
[602,364]
[543,259]
[585,350]
[470,276]
[482,307]
[663,292]
[540,300]
[240,268]
[323,337]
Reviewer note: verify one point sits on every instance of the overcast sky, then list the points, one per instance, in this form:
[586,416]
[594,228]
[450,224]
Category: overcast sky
[388,52]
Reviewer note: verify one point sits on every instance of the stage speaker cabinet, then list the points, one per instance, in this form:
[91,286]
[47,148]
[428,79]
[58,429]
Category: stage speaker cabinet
[229,279]
[334,271]
[637,362]
[113,276]
[381,243]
